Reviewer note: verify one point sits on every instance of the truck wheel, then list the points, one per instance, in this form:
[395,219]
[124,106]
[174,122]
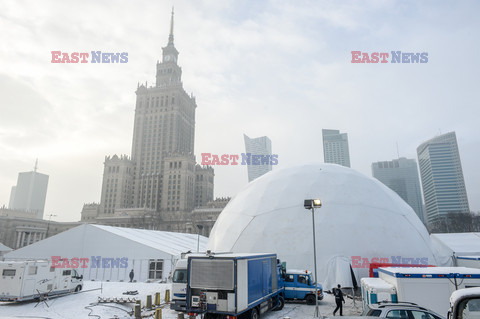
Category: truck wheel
[78,288]
[281,303]
[310,299]
[254,314]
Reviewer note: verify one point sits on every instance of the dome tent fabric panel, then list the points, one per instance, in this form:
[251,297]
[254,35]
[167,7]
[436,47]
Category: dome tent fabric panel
[359,217]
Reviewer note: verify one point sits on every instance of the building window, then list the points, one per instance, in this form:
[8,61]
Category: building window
[156,269]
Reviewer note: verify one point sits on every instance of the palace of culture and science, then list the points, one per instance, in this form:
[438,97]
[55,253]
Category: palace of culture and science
[161,184]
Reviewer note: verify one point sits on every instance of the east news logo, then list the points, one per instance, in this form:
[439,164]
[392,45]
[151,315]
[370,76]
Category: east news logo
[383,57]
[83,57]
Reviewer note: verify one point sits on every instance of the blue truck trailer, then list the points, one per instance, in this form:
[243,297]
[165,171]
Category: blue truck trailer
[230,285]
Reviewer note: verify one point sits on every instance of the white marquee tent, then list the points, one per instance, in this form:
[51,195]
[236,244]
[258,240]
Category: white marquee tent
[4,249]
[113,251]
[458,249]
[360,217]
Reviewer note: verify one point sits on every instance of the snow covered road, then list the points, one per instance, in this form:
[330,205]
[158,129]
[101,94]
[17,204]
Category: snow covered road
[85,304]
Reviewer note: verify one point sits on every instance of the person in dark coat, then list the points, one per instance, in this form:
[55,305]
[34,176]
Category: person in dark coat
[131,276]
[337,292]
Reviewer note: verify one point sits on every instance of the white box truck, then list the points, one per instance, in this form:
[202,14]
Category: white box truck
[226,286]
[430,287]
[27,280]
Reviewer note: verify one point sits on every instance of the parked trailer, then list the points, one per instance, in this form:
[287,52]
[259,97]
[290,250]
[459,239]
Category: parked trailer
[230,285]
[376,290]
[27,280]
[430,287]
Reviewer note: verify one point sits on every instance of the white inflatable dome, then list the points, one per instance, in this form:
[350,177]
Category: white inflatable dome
[359,217]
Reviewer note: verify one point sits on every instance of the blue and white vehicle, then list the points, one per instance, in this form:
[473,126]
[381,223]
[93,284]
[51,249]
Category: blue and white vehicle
[299,285]
[229,285]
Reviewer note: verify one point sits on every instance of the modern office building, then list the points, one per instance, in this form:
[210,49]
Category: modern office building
[401,175]
[30,193]
[442,177]
[335,147]
[258,146]
[161,178]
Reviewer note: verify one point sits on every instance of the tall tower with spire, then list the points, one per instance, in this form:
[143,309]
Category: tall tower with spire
[30,192]
[160,176]
[168,71]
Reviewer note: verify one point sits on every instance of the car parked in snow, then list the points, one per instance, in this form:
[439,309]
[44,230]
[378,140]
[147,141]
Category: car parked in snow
[400,310]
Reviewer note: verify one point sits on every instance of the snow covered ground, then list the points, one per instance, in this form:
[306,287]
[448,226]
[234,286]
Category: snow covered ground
[85,304]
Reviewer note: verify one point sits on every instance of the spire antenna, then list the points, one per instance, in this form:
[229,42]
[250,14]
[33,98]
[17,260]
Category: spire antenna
[170,37]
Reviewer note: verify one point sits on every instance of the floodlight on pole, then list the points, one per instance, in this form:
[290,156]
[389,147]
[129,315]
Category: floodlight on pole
[312,204]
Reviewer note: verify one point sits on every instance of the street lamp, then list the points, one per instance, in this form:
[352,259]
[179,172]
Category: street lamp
[312,204]
[200,227]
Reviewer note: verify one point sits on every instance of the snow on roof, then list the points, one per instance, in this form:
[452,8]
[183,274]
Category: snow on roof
[107,241]
[298,272]
[460,243]
[461,293]
[230,255]
[376,283]
[169,242]
[430,270]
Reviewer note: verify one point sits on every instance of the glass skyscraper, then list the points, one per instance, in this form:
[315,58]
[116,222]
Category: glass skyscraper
[335,147]
[401,175]
[30,192]
[442,177]
[258,146]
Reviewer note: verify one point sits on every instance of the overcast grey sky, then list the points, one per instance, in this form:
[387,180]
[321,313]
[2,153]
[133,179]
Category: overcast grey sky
[276,68]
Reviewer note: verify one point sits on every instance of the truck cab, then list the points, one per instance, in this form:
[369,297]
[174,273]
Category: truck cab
[179,286]
[465,304]
[299,285]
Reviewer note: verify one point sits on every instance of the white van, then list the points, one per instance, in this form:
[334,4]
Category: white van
[26,280]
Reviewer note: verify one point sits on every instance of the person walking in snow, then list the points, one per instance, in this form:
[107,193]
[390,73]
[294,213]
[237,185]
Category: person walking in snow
[337,292]
[131,275]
